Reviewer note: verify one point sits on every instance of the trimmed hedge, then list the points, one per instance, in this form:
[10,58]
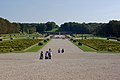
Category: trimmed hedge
[0,39]
[80,44]
[45,40]
[71,39]
[74,41]
[48,39]
[40,43]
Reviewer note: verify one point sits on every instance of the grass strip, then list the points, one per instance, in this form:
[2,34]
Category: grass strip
[84,47]
[36,47]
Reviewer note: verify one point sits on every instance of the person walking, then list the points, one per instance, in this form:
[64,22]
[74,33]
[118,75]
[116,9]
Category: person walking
[41,55]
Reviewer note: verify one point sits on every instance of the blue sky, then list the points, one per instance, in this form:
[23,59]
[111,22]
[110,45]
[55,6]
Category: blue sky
[60,11]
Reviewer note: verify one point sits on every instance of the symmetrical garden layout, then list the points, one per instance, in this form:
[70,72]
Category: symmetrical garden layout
[74,64]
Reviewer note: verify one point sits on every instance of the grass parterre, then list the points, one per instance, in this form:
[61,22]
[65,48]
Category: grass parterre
[17,44]
[102,45]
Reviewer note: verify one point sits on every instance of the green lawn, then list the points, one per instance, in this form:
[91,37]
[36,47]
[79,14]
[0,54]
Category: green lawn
[35,48]
[84,47]
[17,45]
[102,45]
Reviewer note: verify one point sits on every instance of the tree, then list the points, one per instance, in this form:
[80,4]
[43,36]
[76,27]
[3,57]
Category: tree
[41,27]
[74,27]
[50,25]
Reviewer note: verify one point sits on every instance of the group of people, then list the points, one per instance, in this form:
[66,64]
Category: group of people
[48,54]
[60,50]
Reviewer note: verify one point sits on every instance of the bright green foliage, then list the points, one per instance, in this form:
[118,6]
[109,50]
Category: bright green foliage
[102,45]
[17,45]
[36,47]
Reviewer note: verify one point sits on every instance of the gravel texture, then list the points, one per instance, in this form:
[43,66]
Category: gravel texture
[74,64]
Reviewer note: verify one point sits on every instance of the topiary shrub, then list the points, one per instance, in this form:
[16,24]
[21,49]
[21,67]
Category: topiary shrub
[33,37]
[48,39]
[71,39]
[0,39]
[11,38]
[80,44]
[40,43]
[74,40]
[73,36]
[45,40]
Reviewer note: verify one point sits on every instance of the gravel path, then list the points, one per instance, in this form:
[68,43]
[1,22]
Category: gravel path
[74,64]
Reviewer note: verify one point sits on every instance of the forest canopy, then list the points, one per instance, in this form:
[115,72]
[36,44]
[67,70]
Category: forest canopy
[100,29]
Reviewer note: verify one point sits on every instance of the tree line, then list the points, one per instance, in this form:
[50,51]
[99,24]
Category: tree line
[112,28]
[7,27]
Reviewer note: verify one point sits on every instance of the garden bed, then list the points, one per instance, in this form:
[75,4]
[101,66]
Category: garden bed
[17,44]
[102,45]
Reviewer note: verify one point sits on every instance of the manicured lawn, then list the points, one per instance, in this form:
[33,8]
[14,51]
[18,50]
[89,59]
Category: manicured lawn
[35,48]
[84,47]
[101,45]
[17,44]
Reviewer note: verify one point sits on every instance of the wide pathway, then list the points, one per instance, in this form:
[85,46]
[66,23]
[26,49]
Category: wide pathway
[74,64]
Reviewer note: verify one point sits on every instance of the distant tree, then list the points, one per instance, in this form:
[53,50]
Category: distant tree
[50,25]
[74,27]
[41,27]
[7,27]
[109,29]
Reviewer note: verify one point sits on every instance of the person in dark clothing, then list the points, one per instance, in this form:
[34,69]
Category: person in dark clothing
[41,55]
[46,55]
[49,55]
[62,51]
[59,50]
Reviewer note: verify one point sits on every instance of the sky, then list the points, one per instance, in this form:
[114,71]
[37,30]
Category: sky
[60,11]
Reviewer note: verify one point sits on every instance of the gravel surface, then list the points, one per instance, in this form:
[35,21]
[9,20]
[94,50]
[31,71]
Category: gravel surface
[74,64]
